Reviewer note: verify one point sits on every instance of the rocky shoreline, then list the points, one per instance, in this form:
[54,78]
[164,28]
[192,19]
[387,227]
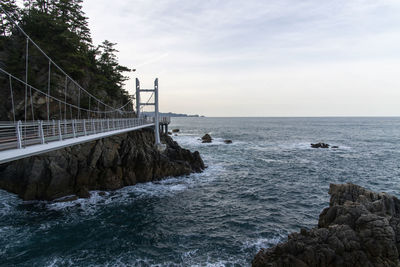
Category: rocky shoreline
[359,228]
[105,164]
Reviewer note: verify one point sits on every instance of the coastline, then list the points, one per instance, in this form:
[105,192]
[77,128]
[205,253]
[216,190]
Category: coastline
[106,164]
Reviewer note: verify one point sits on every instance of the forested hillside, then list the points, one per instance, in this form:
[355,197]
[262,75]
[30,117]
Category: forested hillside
[60,28]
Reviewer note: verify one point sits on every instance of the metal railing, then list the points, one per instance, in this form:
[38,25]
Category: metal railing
[20,134]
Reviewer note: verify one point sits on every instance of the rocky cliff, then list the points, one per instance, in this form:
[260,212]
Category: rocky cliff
[105,164]
[359,228]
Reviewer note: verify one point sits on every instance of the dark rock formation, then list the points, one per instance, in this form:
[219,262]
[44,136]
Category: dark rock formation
[334,146]
[228,141]
[359,228]
[105,164]
[206,139]
[320,145]
[175,130]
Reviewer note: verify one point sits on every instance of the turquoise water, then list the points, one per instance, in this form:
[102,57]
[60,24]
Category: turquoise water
[266,184]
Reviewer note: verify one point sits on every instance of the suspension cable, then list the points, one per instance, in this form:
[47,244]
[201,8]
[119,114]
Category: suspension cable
[148,100]
[48,93]
[26,75]
[58,100]
[30,93]
[12,97]
[65,97]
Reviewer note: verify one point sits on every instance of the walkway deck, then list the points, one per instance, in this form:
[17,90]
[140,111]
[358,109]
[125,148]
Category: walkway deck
[20,140]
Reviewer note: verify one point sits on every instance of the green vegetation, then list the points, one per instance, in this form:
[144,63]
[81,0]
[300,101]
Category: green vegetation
[60,28]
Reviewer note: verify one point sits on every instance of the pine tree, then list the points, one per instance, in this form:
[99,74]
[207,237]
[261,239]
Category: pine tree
[110,69]
[12,9]
[70,13]
[60,28]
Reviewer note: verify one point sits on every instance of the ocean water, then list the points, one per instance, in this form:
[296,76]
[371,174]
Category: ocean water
[265,185]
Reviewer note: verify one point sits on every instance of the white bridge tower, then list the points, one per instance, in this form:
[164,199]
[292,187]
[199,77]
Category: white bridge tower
[139,104]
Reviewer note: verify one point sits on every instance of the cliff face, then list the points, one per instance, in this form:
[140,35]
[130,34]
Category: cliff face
[105,164]
[359,228]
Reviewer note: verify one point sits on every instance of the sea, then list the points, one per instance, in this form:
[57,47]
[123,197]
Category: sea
[268,183]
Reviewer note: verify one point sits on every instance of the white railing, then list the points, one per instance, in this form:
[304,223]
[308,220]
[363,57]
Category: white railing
[22,134]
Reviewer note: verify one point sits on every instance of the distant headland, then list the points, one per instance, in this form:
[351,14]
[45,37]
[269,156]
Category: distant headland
[171,114]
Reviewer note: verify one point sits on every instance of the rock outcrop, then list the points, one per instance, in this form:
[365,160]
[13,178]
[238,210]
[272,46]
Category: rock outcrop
[320,145]
[105,164]
[206,138]
[359,228]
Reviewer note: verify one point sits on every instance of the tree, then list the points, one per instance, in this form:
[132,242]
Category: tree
[70,13]
[60,28]
[111,70]
[13,11]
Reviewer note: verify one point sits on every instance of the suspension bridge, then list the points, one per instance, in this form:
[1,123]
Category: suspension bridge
[52,116]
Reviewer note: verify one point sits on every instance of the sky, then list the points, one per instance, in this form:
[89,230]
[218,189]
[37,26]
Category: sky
[259,57]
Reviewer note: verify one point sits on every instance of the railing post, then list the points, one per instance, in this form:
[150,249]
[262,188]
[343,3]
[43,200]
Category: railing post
[101,125]
[19,137]
[108,124]
[93,126]
[53,128]
[59,130]
[73,128]
[137,98]
[38,129]
[84,126]
[41,132]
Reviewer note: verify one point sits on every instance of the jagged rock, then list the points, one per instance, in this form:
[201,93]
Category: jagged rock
[320,145]
[169,133]
[228,141]
[175,130]
[83,192]
[105,164]
[334,146]
[206,139]
[359,228]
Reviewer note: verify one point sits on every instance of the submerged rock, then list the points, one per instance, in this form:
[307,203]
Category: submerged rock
[320,145]
[334,146]
[175,130]
[228,141]
[359,228]
[105,164]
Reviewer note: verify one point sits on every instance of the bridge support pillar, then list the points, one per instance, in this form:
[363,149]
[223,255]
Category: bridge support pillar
[160,147]
[157,126]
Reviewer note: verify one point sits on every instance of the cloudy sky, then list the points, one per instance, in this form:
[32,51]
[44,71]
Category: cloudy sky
[259,57]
